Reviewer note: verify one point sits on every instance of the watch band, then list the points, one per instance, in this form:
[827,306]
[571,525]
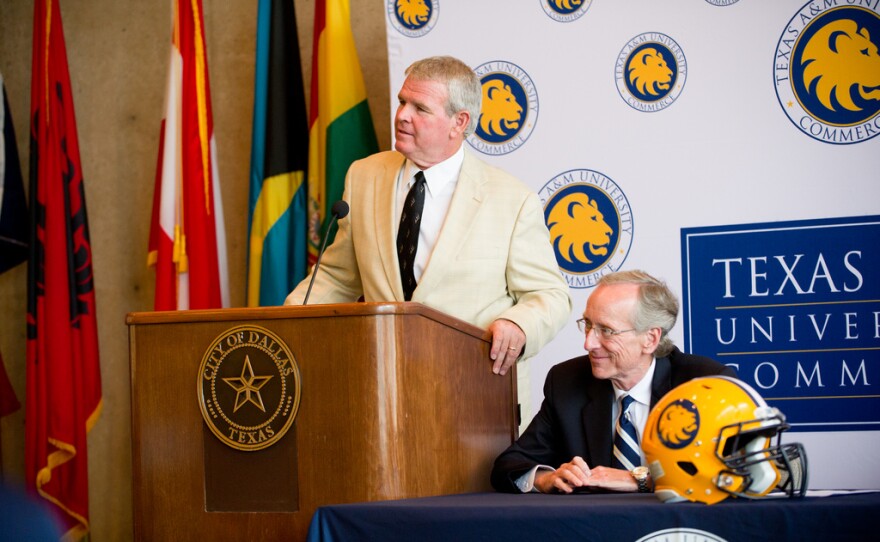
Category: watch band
[640,474]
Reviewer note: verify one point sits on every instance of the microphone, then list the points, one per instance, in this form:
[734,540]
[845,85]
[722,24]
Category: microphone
[339,210]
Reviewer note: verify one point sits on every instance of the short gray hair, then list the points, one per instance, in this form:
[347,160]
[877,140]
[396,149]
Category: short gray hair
[463,88]
[656,305]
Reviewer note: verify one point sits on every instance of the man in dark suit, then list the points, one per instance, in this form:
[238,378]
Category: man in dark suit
[569,444]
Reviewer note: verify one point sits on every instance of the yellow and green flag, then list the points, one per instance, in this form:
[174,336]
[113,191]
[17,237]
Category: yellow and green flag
[340,126]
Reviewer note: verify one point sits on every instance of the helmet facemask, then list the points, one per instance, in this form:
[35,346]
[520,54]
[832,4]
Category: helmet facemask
[754,467]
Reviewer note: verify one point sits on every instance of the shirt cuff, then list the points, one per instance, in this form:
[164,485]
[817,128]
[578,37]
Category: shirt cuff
[526,482]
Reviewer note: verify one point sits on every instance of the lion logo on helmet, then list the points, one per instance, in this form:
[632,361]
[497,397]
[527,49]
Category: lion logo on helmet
[838,59]
[576,224]
[678,424]
[501,113]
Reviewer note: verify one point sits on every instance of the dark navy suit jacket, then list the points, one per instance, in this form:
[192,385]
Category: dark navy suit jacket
[575,417]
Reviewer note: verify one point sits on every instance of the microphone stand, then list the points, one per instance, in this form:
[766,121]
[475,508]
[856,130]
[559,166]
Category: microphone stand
[339,210]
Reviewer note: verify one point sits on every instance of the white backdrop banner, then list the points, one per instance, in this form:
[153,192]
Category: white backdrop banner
[710,141]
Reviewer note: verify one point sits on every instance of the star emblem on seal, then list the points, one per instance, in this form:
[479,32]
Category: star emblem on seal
[248,386]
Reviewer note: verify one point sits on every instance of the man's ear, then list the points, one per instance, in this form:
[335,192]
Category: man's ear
[461,121]
[652,340]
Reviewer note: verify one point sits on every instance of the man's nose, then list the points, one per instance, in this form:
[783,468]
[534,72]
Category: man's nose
[591,339]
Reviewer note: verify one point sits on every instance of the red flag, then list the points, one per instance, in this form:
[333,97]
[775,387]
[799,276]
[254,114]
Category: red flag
[63,395]
[187,235]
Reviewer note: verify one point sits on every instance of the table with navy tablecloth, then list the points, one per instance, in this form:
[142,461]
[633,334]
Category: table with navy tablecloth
[617,517]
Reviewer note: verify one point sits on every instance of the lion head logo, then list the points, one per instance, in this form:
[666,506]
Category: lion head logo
[827,79]
[590,223]
[839,59]
[576,225]
[649,72]
[678,424]
[566,6]
[565,11]
[508,108]
[413,13]
[501,113]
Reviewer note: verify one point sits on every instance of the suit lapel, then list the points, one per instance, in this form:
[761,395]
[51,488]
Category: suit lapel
[463,208]
[384,201]
[662,381]
[596,419]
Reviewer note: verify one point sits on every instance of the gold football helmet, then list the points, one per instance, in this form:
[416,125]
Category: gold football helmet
[715,437]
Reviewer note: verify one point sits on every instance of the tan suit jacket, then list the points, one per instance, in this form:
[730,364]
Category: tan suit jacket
[493,258]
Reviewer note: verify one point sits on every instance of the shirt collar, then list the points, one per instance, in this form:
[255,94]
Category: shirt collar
[641,392]
[438,175]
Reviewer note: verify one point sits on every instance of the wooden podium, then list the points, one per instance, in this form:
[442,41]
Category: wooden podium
[395,400]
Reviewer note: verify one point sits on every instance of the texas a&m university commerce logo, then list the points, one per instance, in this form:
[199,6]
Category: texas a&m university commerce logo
[679,424]
[249,388]
[565,11]
[590,224]
[413,18]
[509,108]
[827,71]
[650,71]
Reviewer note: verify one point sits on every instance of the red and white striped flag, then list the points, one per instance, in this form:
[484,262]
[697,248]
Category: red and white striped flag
[187,235]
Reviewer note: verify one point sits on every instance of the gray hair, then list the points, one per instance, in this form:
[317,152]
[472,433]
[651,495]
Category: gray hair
[464,92]
[656,305]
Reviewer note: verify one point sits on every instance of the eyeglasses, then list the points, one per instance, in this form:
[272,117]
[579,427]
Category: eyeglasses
[602,332]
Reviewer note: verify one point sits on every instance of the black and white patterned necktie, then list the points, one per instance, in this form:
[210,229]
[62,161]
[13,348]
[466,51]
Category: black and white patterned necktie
[408,234]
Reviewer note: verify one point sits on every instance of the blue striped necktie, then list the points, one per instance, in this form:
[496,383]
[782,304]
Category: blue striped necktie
[626,439]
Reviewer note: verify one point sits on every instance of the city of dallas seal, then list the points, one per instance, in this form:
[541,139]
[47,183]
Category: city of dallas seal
[249,388]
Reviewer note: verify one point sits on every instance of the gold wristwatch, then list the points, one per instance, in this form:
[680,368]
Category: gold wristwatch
[640,474]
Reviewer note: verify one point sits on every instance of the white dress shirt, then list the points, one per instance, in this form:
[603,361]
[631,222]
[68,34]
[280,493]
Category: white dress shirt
[638,411]
[441,180]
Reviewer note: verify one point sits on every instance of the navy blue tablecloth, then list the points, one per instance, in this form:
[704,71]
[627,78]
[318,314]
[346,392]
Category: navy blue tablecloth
[613,517]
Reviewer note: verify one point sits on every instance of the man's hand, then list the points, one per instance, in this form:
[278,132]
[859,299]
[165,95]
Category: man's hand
[508,341]
[568,476]
[576,473]
[612,479]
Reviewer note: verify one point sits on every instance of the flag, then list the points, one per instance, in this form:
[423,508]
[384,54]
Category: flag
[13,227]
[277,233]
[340,127]
[13,206]
[8,401]
[63,391]
[187,235]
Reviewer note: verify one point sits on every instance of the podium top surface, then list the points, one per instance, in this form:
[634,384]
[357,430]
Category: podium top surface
[308,311]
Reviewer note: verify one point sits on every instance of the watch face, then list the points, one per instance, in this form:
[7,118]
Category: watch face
[640,473]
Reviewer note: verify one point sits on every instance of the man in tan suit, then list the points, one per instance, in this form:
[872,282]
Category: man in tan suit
[483,252]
